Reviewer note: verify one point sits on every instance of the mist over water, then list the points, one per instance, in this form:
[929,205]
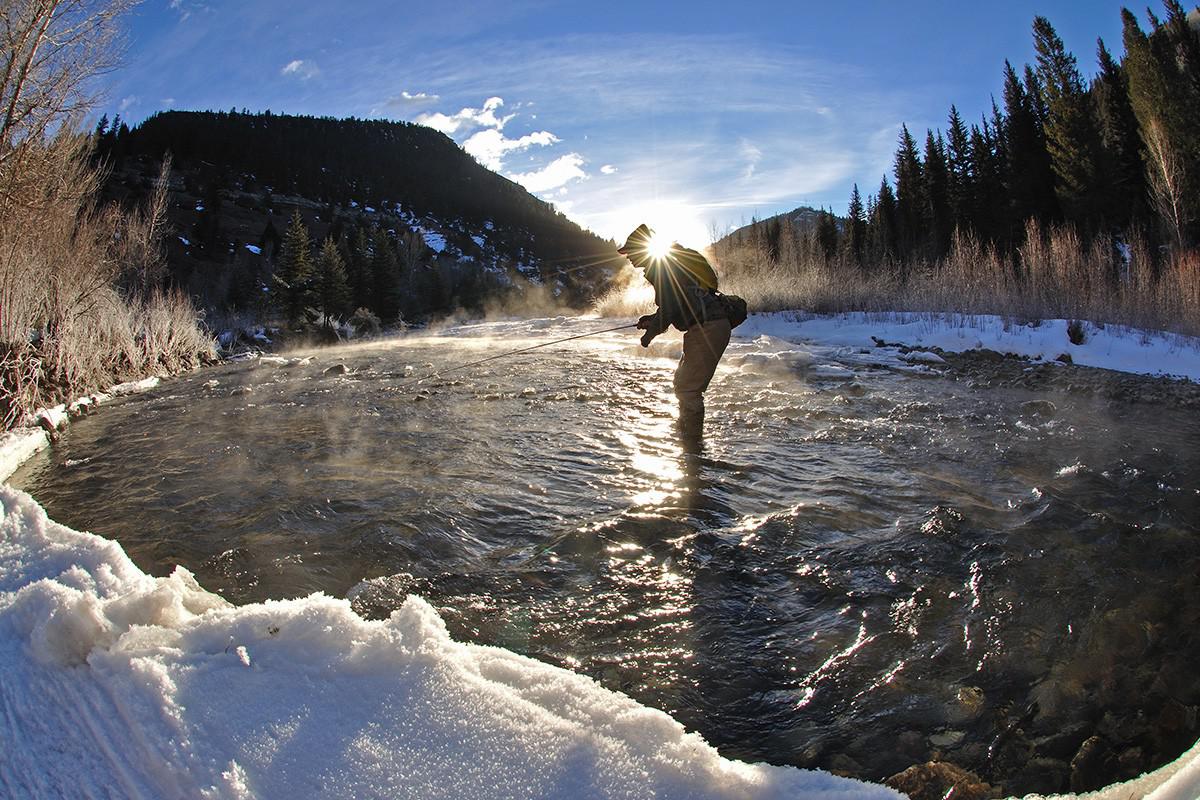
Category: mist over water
[864,567]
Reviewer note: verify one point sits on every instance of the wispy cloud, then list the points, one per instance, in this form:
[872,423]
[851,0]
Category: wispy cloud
[608,169]
[489,147]
[404,100]
[301,69]
[751,155]
[558,172]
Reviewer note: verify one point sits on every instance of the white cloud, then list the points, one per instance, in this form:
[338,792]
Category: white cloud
[489,147]
[608,169]
[752,156]
[127,102]
[406,100]
[301,69]
[468,118]
[558,172]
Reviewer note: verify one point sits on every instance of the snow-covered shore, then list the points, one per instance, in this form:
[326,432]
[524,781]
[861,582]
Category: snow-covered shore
[1110,347]
[120,684]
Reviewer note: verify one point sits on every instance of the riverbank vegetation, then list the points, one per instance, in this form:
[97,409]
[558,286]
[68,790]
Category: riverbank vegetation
[82,300]
[1072,200]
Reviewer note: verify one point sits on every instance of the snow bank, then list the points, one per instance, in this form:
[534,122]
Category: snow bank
[17,446]
[1111,347]
[118,682]
[434,241]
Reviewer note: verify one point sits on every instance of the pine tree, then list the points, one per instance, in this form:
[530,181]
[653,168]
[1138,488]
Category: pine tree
[1028,176]
[294,272]
[270,242]
[1035,93]
[960,175]
[384,276]
[358,268]
[1124,173]
[938,222]
[883,234]
[1072,138]
[827,235]
[990,203]
[331,292]
[856,228]
[909,196]
[1167,106]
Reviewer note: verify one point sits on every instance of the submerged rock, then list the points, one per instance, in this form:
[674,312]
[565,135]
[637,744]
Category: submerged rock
[1094,766]
[1039,408]
[937,780]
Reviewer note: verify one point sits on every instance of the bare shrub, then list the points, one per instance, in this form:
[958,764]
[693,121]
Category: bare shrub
[80,300]
[1054,274]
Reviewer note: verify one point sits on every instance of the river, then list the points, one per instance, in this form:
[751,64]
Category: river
[866,565]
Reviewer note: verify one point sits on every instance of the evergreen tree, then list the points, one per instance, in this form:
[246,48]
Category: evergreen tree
[1167,106]
[883,235]
[909,196]
[827,235]
[960,184]
[1028,176]
[938,220]
[990,204]
[331,292]
[1035,92]
[772,230]
[270,242]
[856,228]
[1072,138]
[1124,173]
[358,268]
[385,284]
[1185,41]
[294,272]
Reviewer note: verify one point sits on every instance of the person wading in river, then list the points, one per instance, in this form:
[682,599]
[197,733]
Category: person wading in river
[685,291]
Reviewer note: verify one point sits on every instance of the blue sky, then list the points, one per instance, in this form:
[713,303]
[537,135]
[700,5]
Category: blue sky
[693,116]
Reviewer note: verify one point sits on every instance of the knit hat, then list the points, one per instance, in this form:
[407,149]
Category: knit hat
[637,240]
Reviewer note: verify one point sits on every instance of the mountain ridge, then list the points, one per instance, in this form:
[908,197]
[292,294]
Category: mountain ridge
[237,175]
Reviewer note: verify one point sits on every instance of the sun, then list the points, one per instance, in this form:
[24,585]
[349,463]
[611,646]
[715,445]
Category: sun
[671,222]
[659,245]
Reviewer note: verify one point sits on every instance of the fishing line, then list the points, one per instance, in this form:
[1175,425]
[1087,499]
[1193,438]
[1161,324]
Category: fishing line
[457,367]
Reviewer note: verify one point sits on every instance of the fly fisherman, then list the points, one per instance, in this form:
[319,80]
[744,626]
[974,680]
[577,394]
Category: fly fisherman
[685,291]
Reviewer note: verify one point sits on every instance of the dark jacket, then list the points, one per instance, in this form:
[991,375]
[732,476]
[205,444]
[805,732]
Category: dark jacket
[684,291]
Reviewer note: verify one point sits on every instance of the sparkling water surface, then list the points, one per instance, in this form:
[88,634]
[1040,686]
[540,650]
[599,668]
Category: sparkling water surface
[864,566]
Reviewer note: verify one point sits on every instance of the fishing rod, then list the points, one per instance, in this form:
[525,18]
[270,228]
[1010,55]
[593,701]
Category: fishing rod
[457,367]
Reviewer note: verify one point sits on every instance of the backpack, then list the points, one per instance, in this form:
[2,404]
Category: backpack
[735,308]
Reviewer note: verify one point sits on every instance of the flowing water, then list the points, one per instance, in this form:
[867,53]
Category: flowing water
[864,566]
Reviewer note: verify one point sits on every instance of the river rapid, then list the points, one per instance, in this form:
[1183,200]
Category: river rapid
[866,564]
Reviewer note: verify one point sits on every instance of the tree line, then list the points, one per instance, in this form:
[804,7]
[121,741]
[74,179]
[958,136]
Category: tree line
[371,163]
[1118,154]
[1107,169]
[366,274]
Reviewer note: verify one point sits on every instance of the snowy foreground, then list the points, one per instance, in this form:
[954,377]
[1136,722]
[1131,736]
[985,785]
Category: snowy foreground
[118,684]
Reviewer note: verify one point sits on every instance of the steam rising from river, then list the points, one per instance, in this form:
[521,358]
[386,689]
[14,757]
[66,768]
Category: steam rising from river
[867,565]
